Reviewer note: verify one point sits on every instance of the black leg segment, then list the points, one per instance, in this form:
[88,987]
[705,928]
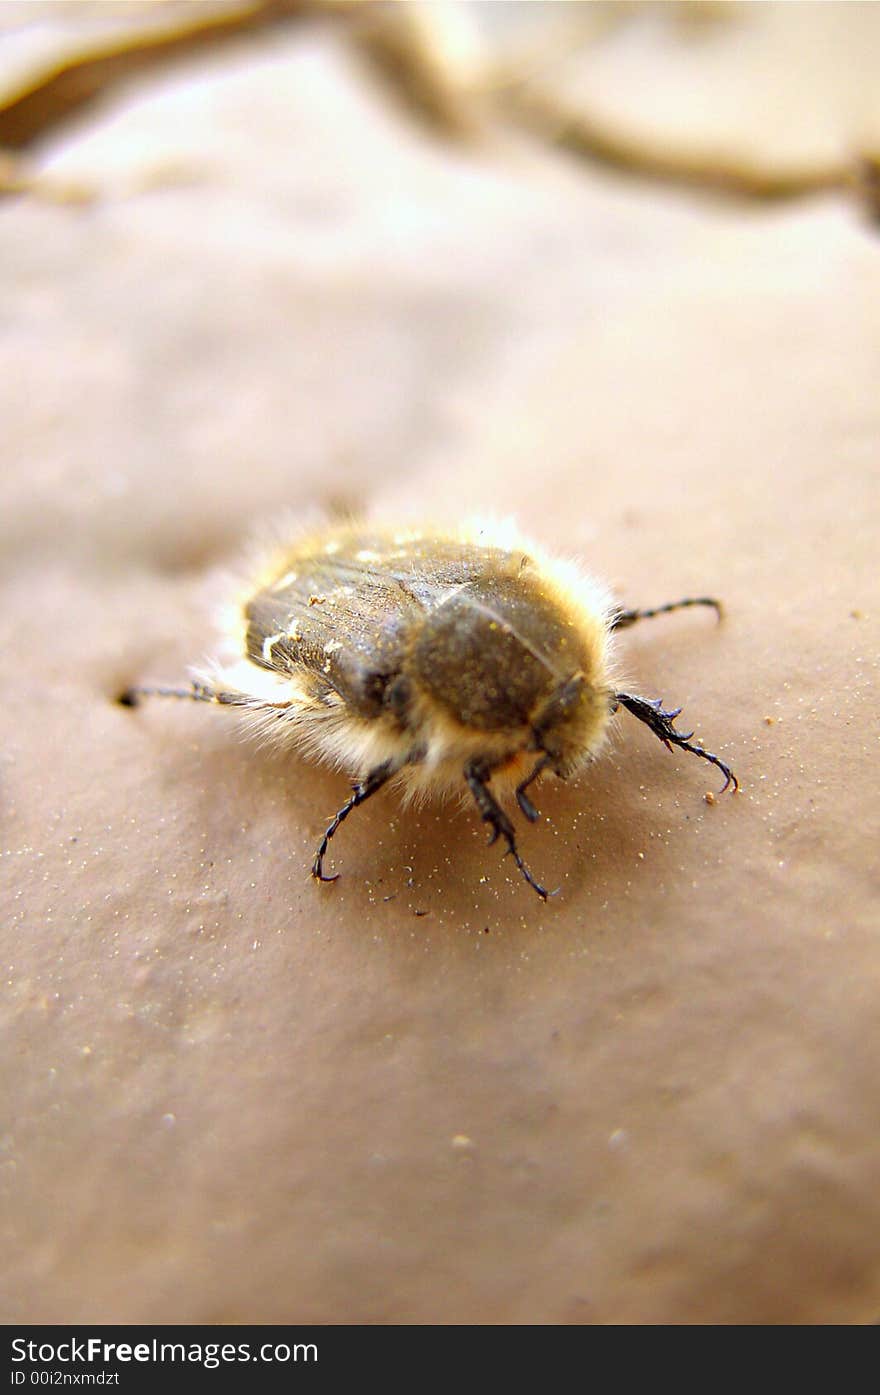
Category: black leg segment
[661,723]
[373,782]
[624,618]
[522,798]
[196,692]
[477,775]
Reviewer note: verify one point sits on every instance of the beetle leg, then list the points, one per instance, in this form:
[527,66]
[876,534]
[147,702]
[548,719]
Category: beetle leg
[477,775]
[196,692]
[522,798]
[373,782]
[653,715]
[624,618]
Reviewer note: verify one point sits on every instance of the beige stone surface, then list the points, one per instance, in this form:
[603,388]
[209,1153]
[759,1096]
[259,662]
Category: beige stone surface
[420,1095]
[737,81]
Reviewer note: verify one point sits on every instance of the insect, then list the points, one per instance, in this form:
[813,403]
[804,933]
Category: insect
[465,660]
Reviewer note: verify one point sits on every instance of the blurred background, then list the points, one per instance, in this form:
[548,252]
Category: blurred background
[612,269]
